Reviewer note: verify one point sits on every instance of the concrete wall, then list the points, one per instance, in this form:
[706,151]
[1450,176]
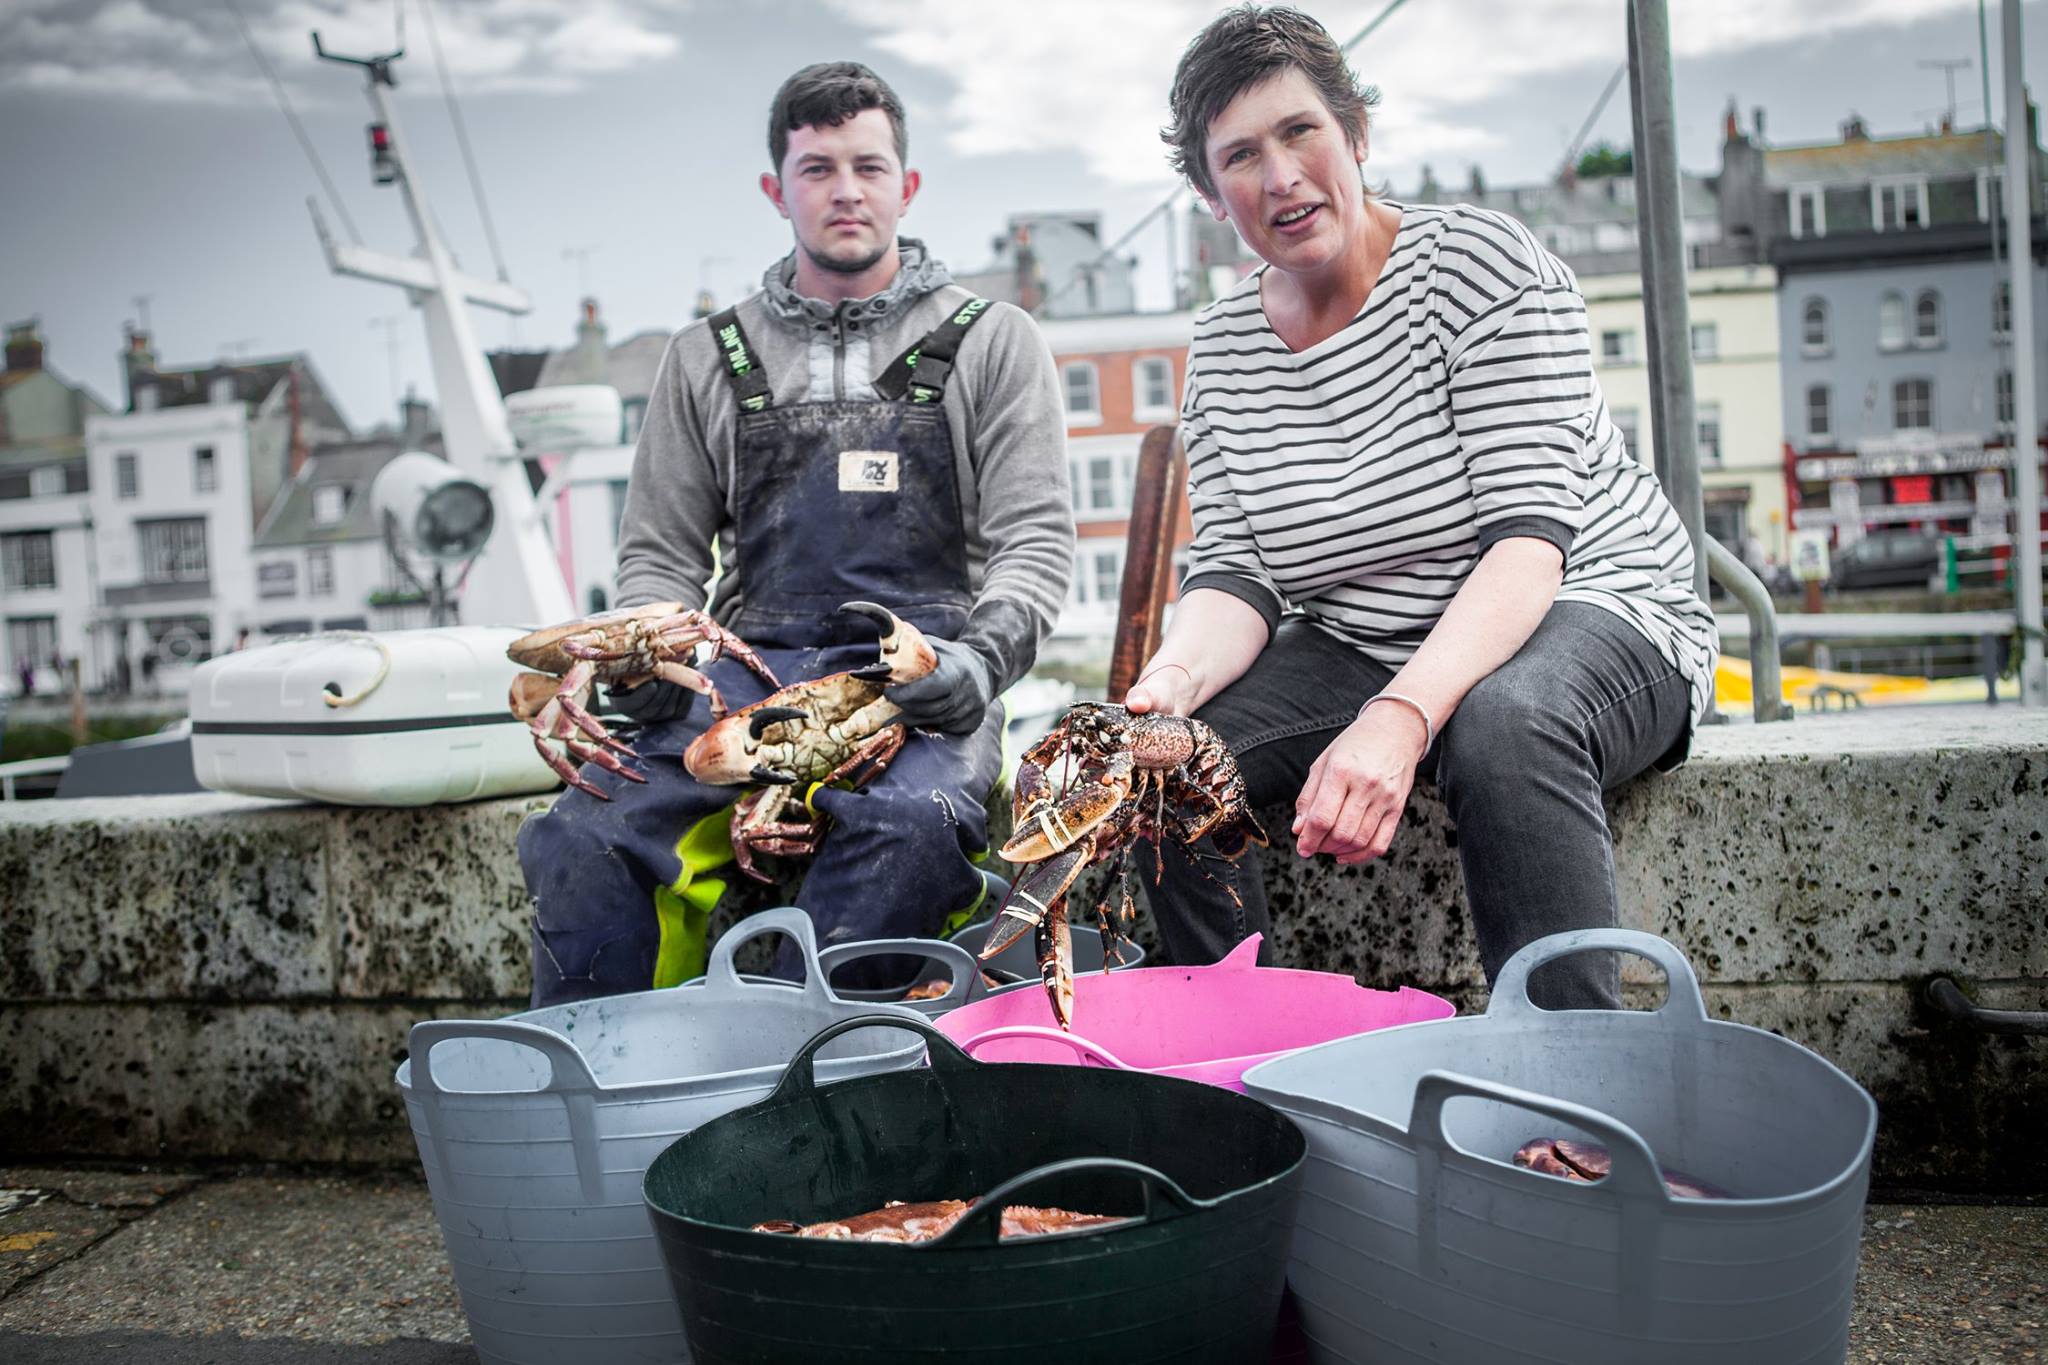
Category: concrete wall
[222,977]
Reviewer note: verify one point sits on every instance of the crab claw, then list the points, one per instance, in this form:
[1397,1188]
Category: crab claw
[772,777]
[905,654]
[759,721]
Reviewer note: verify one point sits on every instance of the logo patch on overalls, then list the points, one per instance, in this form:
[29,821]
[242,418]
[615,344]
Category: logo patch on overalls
[867,471]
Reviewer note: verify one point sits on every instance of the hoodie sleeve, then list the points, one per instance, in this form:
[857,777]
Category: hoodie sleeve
[1019,455]
[673,502]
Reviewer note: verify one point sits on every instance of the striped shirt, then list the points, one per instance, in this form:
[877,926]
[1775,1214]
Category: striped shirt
[1360,479]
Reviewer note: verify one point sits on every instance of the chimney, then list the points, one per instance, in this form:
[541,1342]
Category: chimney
[24,346]
[706,305]
[1854,129]
[415,422]
[1030,289]
[592,357]
[1731,130]
[1757,117]
[1431,192]
[1478,182]
[138,365]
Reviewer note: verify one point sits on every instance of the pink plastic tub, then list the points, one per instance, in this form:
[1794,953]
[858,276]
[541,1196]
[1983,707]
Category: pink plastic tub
[1207,1024]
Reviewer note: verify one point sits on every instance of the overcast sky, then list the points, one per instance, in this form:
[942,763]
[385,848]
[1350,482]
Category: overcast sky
[619,141]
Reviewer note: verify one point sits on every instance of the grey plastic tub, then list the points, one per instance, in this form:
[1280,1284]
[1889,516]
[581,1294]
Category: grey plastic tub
[1418,1241]
[535,1132]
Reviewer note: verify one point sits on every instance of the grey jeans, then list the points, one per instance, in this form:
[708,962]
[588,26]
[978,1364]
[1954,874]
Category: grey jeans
[1586,704]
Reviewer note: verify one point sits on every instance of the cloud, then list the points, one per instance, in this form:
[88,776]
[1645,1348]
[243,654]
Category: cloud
[191,52]
[1075,77]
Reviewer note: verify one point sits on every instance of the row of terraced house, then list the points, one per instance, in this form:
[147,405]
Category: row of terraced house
[1850,331]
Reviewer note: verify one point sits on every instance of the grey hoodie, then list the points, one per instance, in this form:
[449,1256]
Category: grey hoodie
[1002,404]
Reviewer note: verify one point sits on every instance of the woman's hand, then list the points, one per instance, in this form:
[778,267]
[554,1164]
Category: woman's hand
[1168,689]
[1352,803]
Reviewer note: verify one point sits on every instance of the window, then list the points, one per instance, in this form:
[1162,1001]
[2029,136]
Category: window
[1618,347]
[145,398]
[330,503]
[1152,386]
[1819,415]
[1990,195]
[32,640]
[1913,405]
[174,550]
[28,560]
[1084,393]
[1898,204]
[1813,328]
[320,572]
[46,482]
[1101,484]
[13,487]
[202,470]
[1927,319]
[1098,574]
[1709,415]
[632,416]
[221,389]
[1706,341]
[2002,387]
[2001,309]
[1891,323]
[277,578]
[1808,211]
[126,482]
[1625,423]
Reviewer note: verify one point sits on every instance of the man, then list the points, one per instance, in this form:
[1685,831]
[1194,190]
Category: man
[954,516]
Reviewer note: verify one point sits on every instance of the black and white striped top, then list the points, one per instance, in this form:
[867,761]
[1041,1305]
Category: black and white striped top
[1360,480]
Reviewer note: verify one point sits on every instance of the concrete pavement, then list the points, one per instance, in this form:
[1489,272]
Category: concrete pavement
[179,1267]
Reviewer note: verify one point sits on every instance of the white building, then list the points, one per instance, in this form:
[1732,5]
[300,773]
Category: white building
[178,485]
[1741,435]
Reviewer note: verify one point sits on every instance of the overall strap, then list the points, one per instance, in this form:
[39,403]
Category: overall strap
[919,374]
[749,380]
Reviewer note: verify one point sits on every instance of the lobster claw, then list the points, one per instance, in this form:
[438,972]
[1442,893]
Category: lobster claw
[1034,893]
[759,722]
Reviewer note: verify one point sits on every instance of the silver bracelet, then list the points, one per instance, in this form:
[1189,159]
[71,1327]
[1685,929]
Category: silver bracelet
[1428,725]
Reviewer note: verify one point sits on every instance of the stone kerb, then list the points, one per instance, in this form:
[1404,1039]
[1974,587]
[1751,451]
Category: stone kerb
[217,976]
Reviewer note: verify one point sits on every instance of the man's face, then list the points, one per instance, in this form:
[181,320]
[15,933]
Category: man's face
[843,191]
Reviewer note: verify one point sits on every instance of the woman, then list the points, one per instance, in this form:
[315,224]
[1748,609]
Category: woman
[1419,539]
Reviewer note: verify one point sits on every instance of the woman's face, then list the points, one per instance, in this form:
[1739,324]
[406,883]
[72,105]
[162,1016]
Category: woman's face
[1286,175]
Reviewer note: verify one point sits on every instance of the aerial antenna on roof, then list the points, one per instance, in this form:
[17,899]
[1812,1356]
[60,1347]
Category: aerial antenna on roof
[1948,66]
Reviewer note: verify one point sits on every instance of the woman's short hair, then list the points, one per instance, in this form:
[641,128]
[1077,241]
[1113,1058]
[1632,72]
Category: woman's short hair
[827,94]
[1240,48]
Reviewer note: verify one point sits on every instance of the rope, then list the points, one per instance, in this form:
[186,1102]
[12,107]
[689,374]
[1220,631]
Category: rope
[476,184]
[298,129]
[336,699]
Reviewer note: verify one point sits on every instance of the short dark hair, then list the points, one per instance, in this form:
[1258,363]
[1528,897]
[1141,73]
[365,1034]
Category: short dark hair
[827,94]
[1240,48]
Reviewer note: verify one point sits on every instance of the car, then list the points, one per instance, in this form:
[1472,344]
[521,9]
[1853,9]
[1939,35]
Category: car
[1896,558]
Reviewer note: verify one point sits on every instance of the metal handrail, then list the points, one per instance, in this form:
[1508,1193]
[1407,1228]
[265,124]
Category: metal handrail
[29,767]
[1766,684]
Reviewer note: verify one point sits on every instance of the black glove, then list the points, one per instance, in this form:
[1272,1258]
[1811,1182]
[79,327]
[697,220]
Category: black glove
[953,697]
[651,703]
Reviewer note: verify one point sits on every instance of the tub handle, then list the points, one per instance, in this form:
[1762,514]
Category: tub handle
[967,986]
[568,1076]
[1683,1001]
[800,1078]
[722,977]
[982,1225]
[1633,1186]
[1092,1054]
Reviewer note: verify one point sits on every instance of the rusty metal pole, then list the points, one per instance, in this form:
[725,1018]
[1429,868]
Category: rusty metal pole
[1148,557]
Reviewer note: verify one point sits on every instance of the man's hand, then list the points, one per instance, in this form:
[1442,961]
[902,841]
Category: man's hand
[1352,803]
[651,703]
[954,697]
[1168,689]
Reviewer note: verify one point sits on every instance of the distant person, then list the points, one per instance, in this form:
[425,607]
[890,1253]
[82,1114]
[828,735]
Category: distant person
[149,671]
[792,434]
[242,639]
[1419,541]
[124,675]
[26,670]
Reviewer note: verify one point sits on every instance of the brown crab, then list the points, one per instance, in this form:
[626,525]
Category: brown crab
[834,729]
[626,647]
